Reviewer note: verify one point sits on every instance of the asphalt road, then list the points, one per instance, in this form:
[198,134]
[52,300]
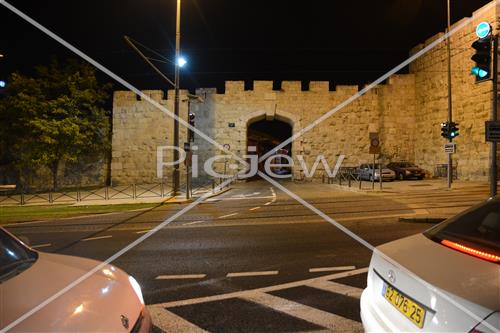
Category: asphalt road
[252,259]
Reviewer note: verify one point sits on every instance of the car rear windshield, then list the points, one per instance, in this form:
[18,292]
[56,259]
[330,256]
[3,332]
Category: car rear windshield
[478,228]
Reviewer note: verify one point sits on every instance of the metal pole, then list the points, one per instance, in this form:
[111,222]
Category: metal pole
[450,157]
[188,162]
[380,173]
[373,173]
[494,101]
[176,102]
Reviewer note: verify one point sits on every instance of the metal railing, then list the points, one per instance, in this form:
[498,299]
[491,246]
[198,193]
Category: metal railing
[121,192]
[345,176]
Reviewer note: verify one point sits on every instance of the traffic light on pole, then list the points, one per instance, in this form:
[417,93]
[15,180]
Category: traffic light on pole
[445,130]
[482,55]
[453,130]
[190,131]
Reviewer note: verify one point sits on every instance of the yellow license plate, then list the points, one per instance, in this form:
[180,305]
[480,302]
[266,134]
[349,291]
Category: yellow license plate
[408,307]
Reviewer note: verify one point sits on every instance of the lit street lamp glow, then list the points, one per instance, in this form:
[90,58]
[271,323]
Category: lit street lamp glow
[2,84]
[181,61]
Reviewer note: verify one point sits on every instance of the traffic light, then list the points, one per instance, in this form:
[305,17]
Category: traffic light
[445,130]
[191,117]
[453,130]
[449,131]
[482,56]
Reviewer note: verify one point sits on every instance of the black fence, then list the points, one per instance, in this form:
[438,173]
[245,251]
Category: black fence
[14,196]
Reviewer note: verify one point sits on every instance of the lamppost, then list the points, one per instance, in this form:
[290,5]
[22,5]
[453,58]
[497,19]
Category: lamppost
[176,175]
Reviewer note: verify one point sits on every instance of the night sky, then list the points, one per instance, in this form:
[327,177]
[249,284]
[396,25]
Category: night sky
[344,42]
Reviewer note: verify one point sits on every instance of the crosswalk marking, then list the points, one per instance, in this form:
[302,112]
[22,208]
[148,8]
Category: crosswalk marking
[170,322]
[331,269]
[319,317]
[337,288]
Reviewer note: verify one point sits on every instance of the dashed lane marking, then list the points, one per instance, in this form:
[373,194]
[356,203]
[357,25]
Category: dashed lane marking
[96,238]
[268,203]
[255,208]
[228,215]
[195,222]
[39,246]
[143,231]
[337,288]
[331,269]
[319,317]
[244,274]
[180,277]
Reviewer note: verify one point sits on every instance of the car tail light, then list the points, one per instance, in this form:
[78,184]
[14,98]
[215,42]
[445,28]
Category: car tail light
[473,252]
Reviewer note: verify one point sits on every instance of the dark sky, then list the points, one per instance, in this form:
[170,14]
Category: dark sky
[341,41]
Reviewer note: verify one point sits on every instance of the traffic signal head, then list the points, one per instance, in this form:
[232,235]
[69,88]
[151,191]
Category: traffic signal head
[482,59]
[444,130]
[453,130]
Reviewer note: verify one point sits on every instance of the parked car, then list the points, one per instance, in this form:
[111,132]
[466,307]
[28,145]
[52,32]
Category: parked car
[406,170]
[107,301]
[443,280]
[366,172]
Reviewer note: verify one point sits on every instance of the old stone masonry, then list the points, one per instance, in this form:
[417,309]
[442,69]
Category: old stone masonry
[406,111]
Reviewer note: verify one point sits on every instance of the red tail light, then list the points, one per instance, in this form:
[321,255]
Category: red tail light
[473,252]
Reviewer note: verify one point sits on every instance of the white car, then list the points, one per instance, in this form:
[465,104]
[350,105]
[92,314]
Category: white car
[107,301]
[446,279]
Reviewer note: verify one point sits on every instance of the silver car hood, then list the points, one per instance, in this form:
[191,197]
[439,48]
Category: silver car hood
[470,278]
[94,305]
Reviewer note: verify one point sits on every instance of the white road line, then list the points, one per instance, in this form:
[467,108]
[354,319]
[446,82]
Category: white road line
[228,215]
[243,274]
[238,294]
[331,269]
[180,277]
[268,203]
[41,245]
[195,222]
[322,318]
[255,208]
[96,238]
[143,231]
[170,322]
[337,288]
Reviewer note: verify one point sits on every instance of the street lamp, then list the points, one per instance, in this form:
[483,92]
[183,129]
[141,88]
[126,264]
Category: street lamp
[176,176]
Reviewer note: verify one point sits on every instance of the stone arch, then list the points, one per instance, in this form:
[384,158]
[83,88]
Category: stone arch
[279,115]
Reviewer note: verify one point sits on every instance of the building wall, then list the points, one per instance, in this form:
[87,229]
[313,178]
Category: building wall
[471,103]
[406,111]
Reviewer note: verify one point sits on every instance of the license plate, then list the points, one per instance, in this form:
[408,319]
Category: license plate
[408,307]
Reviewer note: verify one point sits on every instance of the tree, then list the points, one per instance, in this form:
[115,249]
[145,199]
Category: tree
[56,116]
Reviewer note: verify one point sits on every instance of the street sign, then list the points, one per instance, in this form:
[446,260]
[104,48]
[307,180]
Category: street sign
[374,143]
[492,131]
[483,30]
[450,148]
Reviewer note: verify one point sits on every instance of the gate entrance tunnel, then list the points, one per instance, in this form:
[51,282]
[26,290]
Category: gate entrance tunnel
[265,135]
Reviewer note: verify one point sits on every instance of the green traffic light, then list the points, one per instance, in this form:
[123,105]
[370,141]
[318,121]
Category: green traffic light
[479,72]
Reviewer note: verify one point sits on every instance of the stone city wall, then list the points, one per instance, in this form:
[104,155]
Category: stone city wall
[406,111]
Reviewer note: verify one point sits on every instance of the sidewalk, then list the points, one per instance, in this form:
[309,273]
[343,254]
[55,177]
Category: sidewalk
[411,186]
